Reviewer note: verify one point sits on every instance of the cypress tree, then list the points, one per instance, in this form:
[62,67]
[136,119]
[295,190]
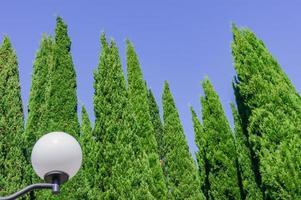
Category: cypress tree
[270,110]
[37,98]
[179,168]
[219,147]
[109,97]
[120,168]
[248,187]
[157,124]
[12,160]
[36,107]
[60,99]
[137,95]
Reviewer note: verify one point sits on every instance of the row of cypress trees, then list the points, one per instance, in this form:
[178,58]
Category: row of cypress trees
[130,153]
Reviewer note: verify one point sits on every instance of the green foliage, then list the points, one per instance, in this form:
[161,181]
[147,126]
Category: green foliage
[137,95]
[248,186]
[179,168]
[12,160]
[270,110]
[156,121]
[217,148]
[87,188]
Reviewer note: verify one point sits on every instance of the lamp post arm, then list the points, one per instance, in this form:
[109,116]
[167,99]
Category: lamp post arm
[54,187]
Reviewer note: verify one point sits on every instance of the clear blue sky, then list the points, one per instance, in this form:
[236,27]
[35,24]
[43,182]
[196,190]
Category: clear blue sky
[178,41]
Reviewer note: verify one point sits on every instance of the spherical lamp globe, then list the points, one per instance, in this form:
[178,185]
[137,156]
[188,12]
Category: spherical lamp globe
[56,152]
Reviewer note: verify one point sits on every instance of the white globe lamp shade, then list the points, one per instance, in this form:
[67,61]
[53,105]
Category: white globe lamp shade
[56,151]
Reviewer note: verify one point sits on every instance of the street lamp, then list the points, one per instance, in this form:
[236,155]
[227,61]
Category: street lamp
[56,157]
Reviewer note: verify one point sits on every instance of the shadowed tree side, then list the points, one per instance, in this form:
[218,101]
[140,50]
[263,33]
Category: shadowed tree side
[219,148]
[157,124]
[272,121]
[87,188]
[137,94]
[181,175]
[247,183]
[203,162]
[12,160]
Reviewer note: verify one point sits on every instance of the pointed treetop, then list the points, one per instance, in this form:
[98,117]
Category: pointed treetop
[128,43]
[85,115]
[168,95]
[235,30]
[117,65]
[131,51]
[103,59]
[151,96]
[233,26]
[209,90]
[103,40]
[6,43]
[193,113]
[61,33]
[211,104]
[198,127]
[113,45]
[9,60]
[84,110]
[166,87]
[133,64]
[46,38]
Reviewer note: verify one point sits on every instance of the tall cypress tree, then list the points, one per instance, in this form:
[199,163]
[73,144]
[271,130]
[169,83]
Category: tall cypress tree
[179,168]
[137,94]
[37,105]
[219,147]
[119,174]
[37,97]
[157,124]
[61,101]
[109,97]
[270,109]
[12,160]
